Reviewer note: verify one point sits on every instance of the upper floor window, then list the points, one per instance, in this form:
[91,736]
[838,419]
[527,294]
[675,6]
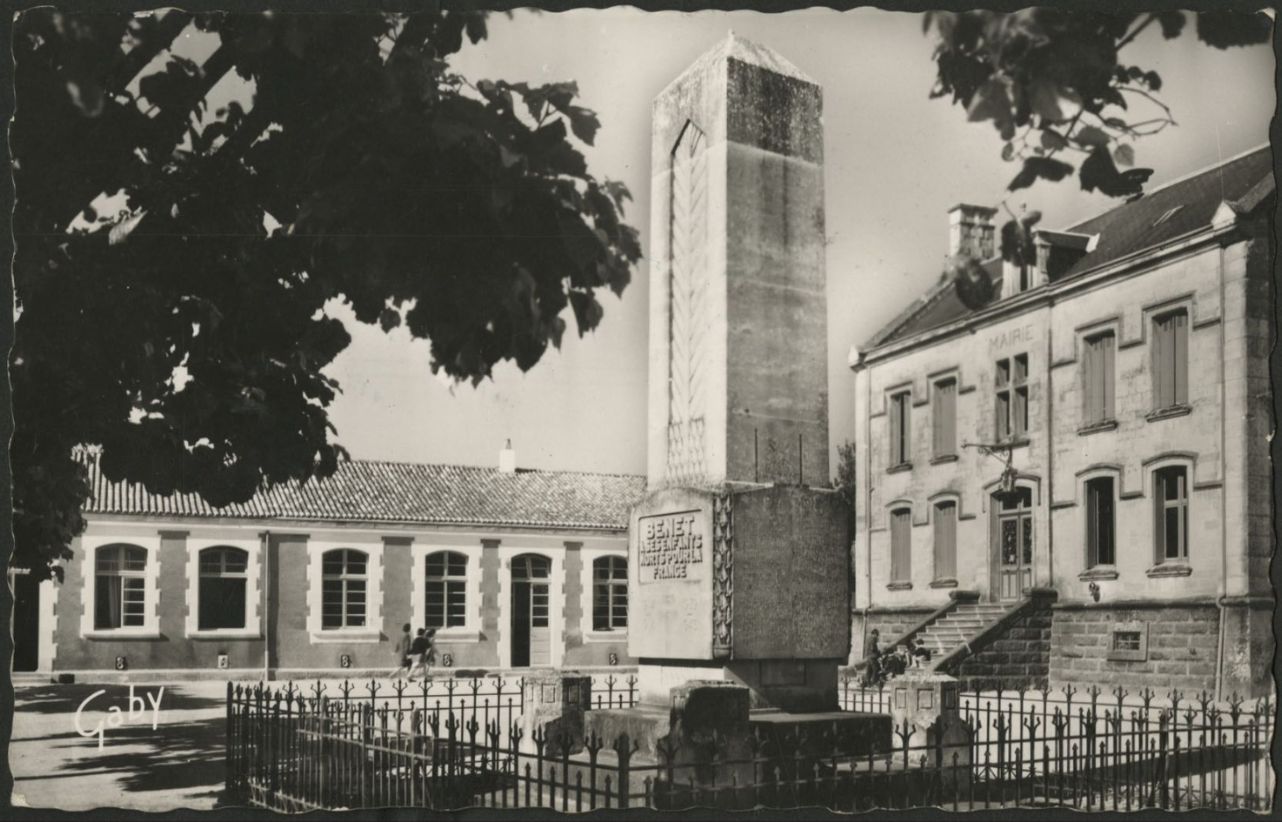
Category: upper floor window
[120,587]
[609,594]
[1097,377]
[1170,360]
[901,521]
[446,589]
[1100,522]
[1171,512]
[946,540]
[900,428]
[224,573]
[943,414]
[1012,397]
[344,580]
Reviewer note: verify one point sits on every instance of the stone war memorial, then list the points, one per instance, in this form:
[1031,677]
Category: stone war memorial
[738,554]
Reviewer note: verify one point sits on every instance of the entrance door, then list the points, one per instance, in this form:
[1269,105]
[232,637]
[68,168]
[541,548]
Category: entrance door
[1013,543]
[26,621]
[531,631]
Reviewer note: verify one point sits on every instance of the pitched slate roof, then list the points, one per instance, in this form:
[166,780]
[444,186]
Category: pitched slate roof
[398,492]
[1244,182]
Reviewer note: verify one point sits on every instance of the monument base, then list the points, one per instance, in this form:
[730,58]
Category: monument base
[792,685]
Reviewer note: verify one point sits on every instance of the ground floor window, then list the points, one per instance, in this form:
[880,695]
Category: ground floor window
[120,587]
[610,594]
[446,590]
[1171,512]
[223,587]
[1100,522]
[343,588]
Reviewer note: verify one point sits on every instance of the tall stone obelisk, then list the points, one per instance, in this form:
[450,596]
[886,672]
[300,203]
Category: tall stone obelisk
[739,553]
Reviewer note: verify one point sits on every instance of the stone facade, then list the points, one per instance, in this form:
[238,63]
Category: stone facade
[1219,277]
[1017,655]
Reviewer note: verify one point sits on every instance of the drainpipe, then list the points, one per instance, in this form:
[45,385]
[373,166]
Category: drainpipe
[264,543]
[868,498]
[1224,511]
[1050,446]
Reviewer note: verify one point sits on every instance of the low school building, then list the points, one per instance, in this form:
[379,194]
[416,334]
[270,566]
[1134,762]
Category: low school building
[513,568]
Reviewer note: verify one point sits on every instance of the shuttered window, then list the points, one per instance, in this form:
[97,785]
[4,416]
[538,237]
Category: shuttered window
[1097,377]
[943,414]
[946,540]
[1171,512]
[1170,360]
[900,428]
[1100,522]
[900,545]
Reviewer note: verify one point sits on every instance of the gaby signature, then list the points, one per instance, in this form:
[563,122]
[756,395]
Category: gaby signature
[116,717]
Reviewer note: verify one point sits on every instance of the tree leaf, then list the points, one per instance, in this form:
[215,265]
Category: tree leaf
[1091,136]
[1225,29]
[1172,23]
[1124,155]
[1052,140]
[1039,167]
[1099,173]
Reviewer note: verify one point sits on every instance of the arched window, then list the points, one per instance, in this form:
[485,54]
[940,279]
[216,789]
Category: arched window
[120,587]
[343,588]
[222,602]
[1171,513]
[446,590]
[610,594]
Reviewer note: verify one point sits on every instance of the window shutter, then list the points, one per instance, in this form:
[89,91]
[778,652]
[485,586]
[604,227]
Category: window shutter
[1090,380]
[1107,348]
[894,431]
[1179,358]
[900,563]
[1159,364]
[945,541]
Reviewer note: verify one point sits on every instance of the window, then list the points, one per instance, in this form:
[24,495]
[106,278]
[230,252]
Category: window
[343,588]
[943,414]
[900,408]
[901,521]
[946,540]
[1097,377]
[1012,397]
[610,594]
[1171,511]
[120,587]
[1100,522]
[446,590]
[223,582]
[1170,360]
[1128,642]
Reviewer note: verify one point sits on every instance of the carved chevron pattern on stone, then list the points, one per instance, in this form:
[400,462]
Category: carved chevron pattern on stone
[688,286]
[722,575]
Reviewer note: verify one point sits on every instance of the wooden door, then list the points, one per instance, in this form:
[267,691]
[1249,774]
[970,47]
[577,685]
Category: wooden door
[26,621]
[531,611]
[1013,544]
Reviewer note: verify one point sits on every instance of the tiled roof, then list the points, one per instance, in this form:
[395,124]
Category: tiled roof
[1244,182]
[398,492]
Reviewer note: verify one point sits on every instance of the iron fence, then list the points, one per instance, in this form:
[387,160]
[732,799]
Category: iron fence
[292,751]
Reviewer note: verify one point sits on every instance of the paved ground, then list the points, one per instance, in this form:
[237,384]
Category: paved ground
[179,764]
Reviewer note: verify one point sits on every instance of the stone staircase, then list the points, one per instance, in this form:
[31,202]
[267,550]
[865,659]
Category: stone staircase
[960,625]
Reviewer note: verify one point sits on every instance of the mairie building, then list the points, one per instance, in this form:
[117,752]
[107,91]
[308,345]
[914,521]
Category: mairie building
[513,568]
[1070,480]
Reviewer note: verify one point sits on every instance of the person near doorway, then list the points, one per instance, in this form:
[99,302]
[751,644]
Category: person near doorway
[403,645]
[873,674]
[418,654]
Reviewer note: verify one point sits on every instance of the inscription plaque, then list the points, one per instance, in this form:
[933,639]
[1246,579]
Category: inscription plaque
[671,547]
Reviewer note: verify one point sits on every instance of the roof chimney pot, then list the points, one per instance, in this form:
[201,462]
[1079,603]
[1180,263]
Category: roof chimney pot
[971,232]
[507,459]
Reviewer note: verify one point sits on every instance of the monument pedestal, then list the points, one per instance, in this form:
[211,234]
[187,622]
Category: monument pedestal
[555,704]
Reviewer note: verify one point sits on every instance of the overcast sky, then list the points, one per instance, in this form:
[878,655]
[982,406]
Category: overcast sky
[895,161]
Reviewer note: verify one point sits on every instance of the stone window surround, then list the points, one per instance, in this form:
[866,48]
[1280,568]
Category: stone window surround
[910,402]
[556,598]
[470,632]
[150,629]
[1126,655]
[253,591]
[372,546]
[589,556]
[890,509]
[1149,315]
[1115,473]
[959,516]
[932,381]
[1180,567]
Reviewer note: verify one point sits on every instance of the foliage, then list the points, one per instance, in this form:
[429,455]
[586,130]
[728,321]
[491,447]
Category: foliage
[185,334]
[844,482]
[1056,86]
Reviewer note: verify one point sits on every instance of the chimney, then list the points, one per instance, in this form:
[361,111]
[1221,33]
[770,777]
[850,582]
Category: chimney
[971,231]
[507,459]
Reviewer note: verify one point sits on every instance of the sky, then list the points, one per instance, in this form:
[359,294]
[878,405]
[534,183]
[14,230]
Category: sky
[895,161]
